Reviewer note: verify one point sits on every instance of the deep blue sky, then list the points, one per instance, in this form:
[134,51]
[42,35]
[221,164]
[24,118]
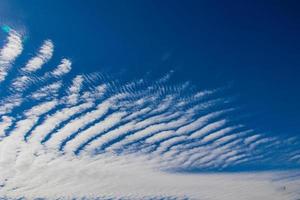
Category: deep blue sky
[254,46]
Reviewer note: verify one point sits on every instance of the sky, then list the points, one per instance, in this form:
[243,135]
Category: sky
[121,99]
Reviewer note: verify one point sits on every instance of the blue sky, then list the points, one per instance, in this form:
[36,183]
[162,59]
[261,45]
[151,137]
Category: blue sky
[253,45]
[233,54]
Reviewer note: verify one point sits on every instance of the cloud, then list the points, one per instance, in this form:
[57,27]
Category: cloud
[53,121]
[44,54]
[63,68]
[5,123]
[77,124]
[31,175]
[11,50]
[50,90]
[97,137]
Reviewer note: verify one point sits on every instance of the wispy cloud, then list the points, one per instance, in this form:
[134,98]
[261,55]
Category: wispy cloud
[35,63]
[63,68]
[44,54]
[11,50]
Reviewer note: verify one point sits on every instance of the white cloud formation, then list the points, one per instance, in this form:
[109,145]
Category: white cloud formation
[11,50]
[31,175]
[63,68]
[35,63]
[44,54]
[5,123]
[49,91]
[132,140]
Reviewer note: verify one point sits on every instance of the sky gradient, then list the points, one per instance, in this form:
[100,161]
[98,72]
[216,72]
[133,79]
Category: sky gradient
[108,94]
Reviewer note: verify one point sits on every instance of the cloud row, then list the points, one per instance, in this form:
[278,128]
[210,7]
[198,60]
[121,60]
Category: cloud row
[94,137]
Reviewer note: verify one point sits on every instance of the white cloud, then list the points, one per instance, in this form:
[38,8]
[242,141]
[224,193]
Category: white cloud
[78,123]
[63,68]
[49,91]
[53,121]
[5,123]
[97,128]
[133,177]
[35,63]
[9,103]
[9,53]
[74,90]
[219,133]
[44,54]
[201,121]
[208,128]
[133,137]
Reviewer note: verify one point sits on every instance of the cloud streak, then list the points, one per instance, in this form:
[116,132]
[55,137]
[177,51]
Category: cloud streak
[11,50]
